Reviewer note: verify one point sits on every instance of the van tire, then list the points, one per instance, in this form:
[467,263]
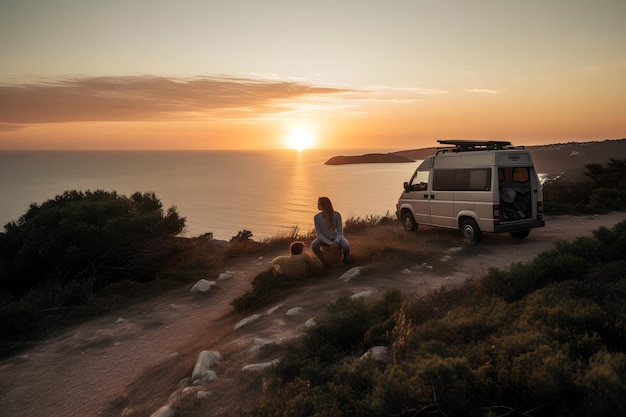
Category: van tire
[470,231]
[520,234]
[409,223]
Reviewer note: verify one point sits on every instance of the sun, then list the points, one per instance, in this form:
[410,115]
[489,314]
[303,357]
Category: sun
[300,139]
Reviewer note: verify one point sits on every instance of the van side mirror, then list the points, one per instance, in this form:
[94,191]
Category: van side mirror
[407,187]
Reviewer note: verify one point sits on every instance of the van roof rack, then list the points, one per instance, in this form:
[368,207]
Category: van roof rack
[461,145]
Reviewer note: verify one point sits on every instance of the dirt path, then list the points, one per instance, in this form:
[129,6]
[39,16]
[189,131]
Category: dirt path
[98,368]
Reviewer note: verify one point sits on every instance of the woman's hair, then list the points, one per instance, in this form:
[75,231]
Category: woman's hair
[327,209]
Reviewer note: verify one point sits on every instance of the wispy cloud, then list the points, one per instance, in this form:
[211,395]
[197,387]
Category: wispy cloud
[480,91]
[149,98]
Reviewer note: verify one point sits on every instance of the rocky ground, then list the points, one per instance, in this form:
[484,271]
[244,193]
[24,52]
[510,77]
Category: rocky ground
[132,363]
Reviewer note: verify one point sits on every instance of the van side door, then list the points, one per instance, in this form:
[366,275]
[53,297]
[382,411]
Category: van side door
[442,198]
[418,197]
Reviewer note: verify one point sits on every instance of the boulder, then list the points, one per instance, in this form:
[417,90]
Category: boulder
[351,274]
[202,372]
[202,286]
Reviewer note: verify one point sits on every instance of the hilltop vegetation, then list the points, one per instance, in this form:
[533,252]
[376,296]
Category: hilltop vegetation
[597,189]
[546,338]
[83,254]
[75,251]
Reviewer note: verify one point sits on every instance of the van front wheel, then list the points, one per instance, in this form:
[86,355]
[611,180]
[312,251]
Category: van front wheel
[409,223]
[470,231]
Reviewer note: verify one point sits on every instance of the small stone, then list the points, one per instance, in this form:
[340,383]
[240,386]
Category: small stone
[294,311]
[248,320]
[202,286]
[225,276]
[362,294]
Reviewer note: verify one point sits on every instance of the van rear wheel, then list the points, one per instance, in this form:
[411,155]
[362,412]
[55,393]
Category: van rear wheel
[470,231]
[409,223]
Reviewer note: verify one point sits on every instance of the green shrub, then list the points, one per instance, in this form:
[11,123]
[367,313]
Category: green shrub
[601,189]
[429,385]
[547,338]
[267,288]
[61,254]
[604,383]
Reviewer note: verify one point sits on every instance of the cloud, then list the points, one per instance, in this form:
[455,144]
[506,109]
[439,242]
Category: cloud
[150,98]
[480,91]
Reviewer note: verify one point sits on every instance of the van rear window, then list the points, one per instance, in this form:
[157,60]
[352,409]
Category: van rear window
[517,174]
[477,179]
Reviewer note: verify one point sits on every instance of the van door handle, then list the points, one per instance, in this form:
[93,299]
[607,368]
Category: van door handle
[432,196]
[426,196]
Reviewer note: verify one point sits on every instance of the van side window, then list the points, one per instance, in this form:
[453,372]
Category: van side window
[478,179]
[419,182]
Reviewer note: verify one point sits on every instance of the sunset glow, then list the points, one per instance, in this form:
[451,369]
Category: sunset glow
[300,139]
[199,75]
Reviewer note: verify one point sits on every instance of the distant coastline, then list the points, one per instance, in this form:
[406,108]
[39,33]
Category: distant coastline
[553,159]
[370,158]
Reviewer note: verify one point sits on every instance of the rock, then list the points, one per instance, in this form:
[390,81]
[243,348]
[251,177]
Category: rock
[202,372]
[350,274]
[248,320]
[310,322]
[255,367]
[203,395]
[120,321]
[225,276]
[165,411]
[259,342]
[202,286]
[262,341]
[273,309]
[294,311]
[379,353]
[362,294]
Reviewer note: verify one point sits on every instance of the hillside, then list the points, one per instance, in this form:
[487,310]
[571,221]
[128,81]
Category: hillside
[554,159]
[132,362]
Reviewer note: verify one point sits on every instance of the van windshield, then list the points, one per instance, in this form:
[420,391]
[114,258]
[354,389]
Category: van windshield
[419,182]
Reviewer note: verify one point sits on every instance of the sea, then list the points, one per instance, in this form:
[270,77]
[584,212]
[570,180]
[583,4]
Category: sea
[269,193]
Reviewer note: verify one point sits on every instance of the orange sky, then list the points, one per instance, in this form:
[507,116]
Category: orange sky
[240,74]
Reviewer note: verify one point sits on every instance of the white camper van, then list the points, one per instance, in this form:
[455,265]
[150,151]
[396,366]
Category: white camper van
[474,186]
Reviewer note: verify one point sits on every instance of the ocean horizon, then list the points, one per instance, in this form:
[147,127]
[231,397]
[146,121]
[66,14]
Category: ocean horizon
[268,192]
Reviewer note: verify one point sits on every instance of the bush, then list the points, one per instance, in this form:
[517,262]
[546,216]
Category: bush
[601,189]
[542,339]
[64,252]
[266,289]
